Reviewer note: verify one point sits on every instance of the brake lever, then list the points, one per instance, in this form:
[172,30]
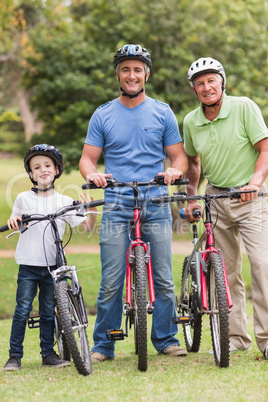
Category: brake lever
[92,213]
[11,234]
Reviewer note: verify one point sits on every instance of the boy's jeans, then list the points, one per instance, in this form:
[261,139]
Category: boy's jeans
[117,221]
[29,278]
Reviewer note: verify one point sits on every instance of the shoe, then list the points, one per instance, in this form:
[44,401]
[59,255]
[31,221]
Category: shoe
[97,357]
[175,350]
[232,349]
[54,360]
[265,353]
[13,363]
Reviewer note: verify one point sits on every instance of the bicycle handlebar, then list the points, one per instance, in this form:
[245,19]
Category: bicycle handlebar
[111,183]
[232,193]
[76,205]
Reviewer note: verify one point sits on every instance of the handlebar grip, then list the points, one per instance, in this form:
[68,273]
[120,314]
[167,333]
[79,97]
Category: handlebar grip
[4,228]
[181,182]
[178,182]
[91,204]
[90,185]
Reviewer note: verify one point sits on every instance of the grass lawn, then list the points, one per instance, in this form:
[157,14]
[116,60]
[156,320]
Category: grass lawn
[194,377]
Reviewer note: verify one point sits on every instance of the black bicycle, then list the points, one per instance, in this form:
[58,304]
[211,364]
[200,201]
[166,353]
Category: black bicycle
[70,317]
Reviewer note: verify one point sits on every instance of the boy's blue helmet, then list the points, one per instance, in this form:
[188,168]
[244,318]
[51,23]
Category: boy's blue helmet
[44,150]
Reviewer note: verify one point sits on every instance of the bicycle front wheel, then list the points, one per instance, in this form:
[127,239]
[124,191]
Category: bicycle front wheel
[73,327]
[218,310]
[140,308]
[192,330]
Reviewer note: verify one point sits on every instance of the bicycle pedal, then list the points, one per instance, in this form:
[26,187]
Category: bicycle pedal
[34,321]
[182,320]
[115,334]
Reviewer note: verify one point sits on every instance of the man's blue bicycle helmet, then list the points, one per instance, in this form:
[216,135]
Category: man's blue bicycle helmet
[129,52]
[44,150]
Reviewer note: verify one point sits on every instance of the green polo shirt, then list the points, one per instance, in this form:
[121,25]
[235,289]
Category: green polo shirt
[226,144]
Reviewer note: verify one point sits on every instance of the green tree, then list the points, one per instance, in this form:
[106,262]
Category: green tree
[67,66]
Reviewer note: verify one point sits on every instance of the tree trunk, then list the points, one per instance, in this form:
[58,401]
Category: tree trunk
[31,126]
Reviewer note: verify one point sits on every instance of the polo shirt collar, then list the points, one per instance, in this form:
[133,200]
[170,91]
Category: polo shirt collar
[224,111]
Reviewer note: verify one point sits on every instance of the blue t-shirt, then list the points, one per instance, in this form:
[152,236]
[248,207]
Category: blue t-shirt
[133,141]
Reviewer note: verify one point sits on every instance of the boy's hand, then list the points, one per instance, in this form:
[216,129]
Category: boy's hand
[85,198]
[12,223]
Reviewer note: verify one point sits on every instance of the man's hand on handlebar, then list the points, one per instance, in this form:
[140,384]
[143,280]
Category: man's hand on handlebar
[249,196]
[98,178]
[170,175]
[188,213]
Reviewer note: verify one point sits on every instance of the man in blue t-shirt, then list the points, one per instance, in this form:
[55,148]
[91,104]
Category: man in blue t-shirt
[134,132]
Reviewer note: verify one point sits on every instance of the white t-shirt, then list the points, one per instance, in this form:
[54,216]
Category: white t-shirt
[30,246]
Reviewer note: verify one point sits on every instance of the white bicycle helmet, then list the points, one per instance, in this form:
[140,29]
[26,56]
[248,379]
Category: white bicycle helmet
[205,65]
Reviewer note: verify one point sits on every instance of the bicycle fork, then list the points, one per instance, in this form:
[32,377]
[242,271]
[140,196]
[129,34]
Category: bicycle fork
[211,249]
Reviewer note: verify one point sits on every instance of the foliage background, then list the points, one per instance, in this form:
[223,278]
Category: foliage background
[56,57]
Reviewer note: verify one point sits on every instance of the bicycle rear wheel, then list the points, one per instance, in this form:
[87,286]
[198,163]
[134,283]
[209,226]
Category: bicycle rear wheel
[218,310]
[64,353]
[73,327]
[192,331]
[140,308]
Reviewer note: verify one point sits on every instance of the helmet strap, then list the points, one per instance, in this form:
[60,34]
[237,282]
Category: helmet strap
[124,93]
[42,190]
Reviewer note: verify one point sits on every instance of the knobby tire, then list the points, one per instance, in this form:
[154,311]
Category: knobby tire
[140,323]
[74,331]
[192,331]
[134,318]
[218,307]
[64,353]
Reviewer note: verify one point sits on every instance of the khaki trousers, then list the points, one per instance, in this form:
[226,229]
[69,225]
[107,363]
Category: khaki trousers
[248,222]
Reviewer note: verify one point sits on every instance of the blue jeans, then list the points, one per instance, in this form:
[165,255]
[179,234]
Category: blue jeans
[116,225]
[29,278]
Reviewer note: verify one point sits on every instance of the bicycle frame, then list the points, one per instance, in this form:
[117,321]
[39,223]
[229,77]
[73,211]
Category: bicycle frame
[130,258]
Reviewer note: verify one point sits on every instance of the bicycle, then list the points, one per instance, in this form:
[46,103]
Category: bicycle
[204,287]
[70,313]
[140,295]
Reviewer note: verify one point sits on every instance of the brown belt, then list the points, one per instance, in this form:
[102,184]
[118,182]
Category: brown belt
[226,188]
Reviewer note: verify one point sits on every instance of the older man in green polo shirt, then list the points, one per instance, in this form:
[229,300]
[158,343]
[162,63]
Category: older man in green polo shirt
[228,137]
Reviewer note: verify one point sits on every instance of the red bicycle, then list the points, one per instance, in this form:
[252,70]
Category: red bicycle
[140,295]
[204,288]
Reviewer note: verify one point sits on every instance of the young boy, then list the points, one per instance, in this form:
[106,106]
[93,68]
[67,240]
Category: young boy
[43,164]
